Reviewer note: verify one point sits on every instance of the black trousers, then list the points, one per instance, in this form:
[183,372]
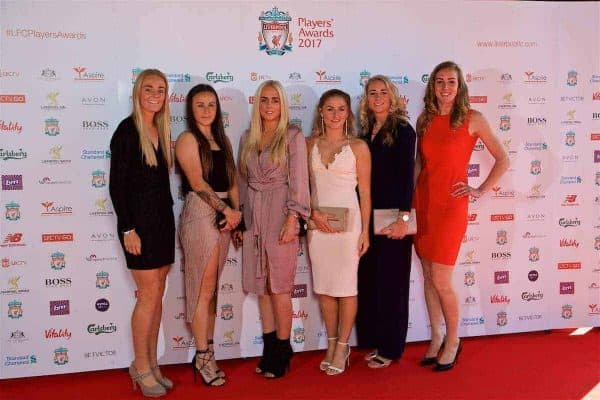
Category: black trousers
[383,296]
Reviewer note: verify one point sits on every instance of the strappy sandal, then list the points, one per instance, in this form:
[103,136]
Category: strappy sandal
[371,355]
[324,364]
[333,370]
[208,374]
[379,362]
[218,370]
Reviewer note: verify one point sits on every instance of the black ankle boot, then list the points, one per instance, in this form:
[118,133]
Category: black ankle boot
[283,353]
[268,349]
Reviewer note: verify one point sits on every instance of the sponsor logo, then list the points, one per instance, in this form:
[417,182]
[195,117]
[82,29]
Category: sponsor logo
[569,243]
[469,258]
[505,78]
[535,167]
[567,311]
[502,194]
[102,280]
[60,307]
[93,101]
[531,296]
[571,119]
[530,317]
[470,300]
[94,125]
[536,121]
[473,170]
[502,318]
[14,239]
[53,333]
[226,288]
[399,80]
[295,77]
[50,208]
[217,77]
[48,74]
[536,192]
[12,154]
[469,278]
[14,287]
[536,100]
[12,361]
[472,321]
[473,77]
[13,211]
[472,219]
[499,299]
[569,180]
[324,77]
[567,288]
[56,157]
[98,179]
[100,354]
[533,275]
[534,254]
[180,342]
[12,98]
[507,102]
[300,290]
[255,76]
[12,182]
[500,277]
[51,127]
[101,209]
[96,329]
[102,305]
[58,282]
[572,78]
[594,309]
[596,156]
[177,98]
[57,237]
[508,147]
[501,237]
[597,243]
[569,158]
[171,77]
[534,217]
[94,258]
[53,103]
[502,217]
[9,74]
[470,238]
[594,285]
[535,146]
[61,356]
[504,123]
[498,255]
[479,146]
[51,181]
[596,96]
[534,77]
[569,265]
[274,37]
[364,77]
[82,74]
[10,127]
[15,309]
[298,335]
[102,236]
[17,337]
[569,222]
[572,98]
[226,312]
[300,314]
[7,263]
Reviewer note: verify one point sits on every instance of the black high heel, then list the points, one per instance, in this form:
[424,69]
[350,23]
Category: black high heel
[207,373]
[446,367]
[425,361]
[283,353]
[265,362]
[211,348]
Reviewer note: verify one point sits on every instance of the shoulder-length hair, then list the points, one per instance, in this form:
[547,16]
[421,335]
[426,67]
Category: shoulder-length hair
[318,128]
[218,132]
[461,106]
[397,114]
[161,120]
[279,144]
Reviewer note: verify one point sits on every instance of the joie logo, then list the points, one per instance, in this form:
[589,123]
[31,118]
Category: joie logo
[12,182]
[299,291]
[59,307]
[567,288]
[500,277]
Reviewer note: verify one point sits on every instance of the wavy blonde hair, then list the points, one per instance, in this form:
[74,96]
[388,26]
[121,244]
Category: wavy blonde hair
[161,120]
[461,106]
[397,114]
[318,127]
[279,144]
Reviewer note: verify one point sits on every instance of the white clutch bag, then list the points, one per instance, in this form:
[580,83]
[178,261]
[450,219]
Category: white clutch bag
[385,217]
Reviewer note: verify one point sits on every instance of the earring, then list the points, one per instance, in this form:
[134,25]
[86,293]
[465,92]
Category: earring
[346,128]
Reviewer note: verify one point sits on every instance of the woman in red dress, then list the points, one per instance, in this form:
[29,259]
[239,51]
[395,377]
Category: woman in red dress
[447,130]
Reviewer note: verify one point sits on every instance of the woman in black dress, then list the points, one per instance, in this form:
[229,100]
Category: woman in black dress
[384,271]
[141,195]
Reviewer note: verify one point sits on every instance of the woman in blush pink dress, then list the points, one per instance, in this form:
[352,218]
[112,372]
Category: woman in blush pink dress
[274,189]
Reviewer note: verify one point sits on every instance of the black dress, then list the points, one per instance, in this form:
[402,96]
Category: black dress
[384,271]
[141,196]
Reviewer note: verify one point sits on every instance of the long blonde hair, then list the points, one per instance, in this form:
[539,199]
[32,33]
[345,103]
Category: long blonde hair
[279,144]
[461,106]
[161,120]
[397,113]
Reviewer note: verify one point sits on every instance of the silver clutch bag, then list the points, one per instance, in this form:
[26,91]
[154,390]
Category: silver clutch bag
[385,217]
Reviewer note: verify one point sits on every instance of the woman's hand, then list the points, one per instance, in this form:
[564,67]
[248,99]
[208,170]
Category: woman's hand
[289,230]
[133,243]
[232,218]
[397,230]
[238,239]
[321,221]
[465,190]
[363,243]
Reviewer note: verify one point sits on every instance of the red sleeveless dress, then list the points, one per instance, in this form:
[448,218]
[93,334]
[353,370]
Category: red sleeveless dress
[441,218]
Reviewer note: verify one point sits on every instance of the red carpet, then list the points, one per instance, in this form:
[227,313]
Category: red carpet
[519,366]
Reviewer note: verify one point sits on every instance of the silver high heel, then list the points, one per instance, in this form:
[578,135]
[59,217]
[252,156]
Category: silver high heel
[325,364]
[148,391]
[331,370]
[164,381]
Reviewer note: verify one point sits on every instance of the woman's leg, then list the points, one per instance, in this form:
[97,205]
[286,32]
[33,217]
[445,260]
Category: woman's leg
[149,299]
[329,311]
[442,281]
[347,316]
[282,311]
[156,318]
[434,309]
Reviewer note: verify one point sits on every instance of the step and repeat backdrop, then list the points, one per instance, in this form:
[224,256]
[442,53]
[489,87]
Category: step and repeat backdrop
[530,258]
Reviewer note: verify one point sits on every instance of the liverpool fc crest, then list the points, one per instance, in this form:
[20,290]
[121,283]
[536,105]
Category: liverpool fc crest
[275,38]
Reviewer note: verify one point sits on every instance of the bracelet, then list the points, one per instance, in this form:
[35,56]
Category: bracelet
[128,232]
